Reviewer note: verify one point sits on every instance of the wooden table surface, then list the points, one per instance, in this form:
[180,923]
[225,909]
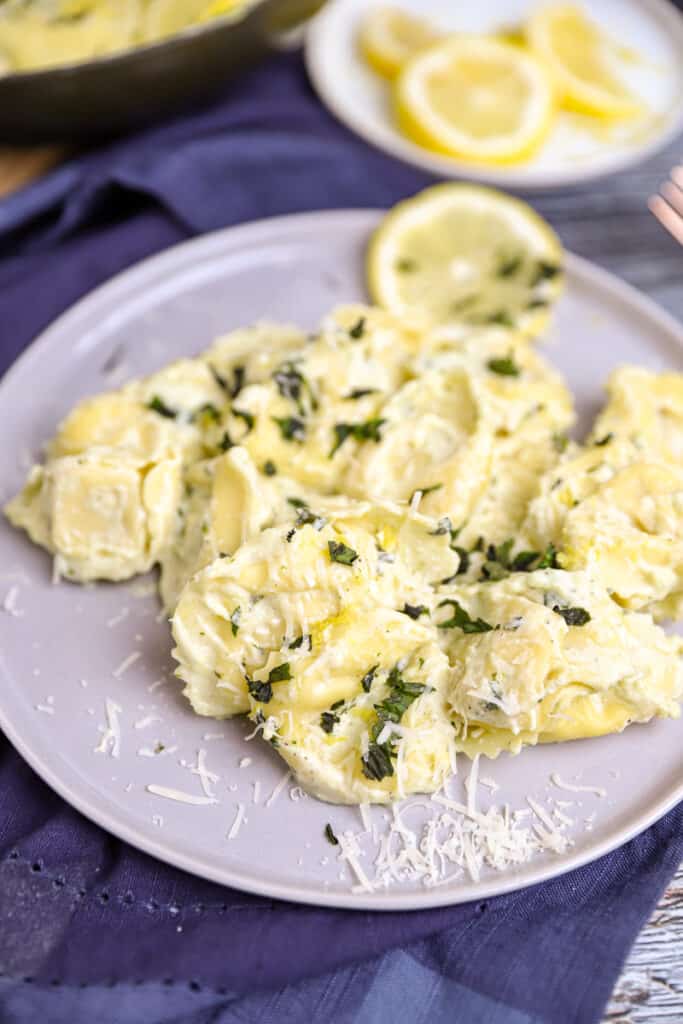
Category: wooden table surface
[609,223]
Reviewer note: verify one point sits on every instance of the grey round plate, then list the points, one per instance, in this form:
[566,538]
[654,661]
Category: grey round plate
[64,650]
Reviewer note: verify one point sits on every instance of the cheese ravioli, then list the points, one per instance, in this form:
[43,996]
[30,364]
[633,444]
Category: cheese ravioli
[548,656]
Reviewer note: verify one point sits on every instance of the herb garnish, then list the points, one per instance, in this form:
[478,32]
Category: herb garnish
[367,431]
[368,679]
[299,642]
[235,620]
[157,404]
[291,428]
[461,620]
[360,393]
[504,365]
[560,442]
[414,611]
[358,329]
[234,388]
[376,763]
[262,690]
[293,385]
[330,718]
[269,468]
[341,553]
[501,317]
[305,515]
[248,417]
[330,836]
[208,410]
[604,440]
[572,616]
[226,442]
[500,562]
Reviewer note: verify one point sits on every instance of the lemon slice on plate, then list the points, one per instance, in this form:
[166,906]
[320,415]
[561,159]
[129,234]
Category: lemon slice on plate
[577,54]
[466,254]
[475,98]
[389,36]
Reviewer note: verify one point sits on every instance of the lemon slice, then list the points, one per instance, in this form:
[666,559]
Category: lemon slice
[466,254]
[577,55]
[389,36]
[478,99]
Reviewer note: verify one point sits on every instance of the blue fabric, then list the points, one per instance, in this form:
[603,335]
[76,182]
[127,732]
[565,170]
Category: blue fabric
[91,929]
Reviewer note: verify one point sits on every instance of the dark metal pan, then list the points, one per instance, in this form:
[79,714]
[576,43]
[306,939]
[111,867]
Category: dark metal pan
[103,97]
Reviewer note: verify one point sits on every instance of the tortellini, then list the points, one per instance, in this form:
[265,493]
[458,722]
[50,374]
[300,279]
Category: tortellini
[381,544]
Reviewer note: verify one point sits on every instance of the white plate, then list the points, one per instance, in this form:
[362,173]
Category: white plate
[578,149]
[291,268]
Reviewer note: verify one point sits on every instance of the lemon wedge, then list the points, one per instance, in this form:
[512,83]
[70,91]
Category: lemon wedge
[466,254]
[576,52]
[475,98]
[389,36]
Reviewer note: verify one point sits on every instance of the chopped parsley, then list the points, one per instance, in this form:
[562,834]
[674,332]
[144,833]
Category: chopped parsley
[248,417]
[500,561]
[414,611]
[367,431]
[461,619]
[269,468]
[604,440]
[358,329]
[226,442]
[572,616]
[232,388]
[305,638]
[292,384]
[262,690]
[157,404]
[291,428]
[560,442]
[235,620]
[330,836]
[328,720]
[360,393]
[207,411]
[505,366]
[501,317]
[305,515]
[377,762]
[368,679]
[341,553]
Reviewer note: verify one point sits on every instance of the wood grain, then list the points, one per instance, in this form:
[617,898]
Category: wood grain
[20,166]
[650,989]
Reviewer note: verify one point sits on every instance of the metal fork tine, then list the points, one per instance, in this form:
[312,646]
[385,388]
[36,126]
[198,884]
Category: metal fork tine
[667,217]
[673,195]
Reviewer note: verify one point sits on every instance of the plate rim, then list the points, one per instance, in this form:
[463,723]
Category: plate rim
[114,821]
[450,167]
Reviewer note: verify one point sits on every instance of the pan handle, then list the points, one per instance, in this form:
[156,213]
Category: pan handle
[285,18]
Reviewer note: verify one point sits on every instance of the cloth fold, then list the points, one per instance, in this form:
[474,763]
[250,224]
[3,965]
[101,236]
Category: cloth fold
[93,929]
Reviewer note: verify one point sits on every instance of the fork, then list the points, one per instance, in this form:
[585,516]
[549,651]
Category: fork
[667,204]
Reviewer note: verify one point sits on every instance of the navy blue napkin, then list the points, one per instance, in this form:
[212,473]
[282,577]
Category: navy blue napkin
[91,929]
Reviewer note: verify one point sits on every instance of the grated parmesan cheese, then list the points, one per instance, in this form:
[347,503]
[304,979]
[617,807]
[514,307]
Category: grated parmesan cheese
[179,796]
[237,823]
[571,787]
[111,733]
[126,664]
[9,605]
